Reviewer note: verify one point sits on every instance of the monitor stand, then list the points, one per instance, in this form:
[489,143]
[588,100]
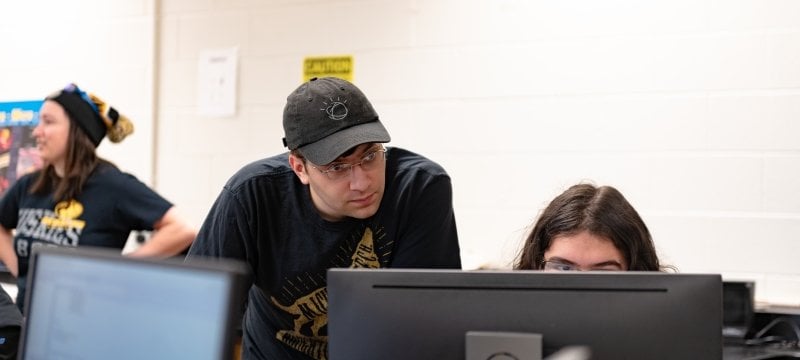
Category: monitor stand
[498,345]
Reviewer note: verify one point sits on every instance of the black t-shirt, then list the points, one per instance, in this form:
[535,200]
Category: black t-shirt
[110,206]
[265,216]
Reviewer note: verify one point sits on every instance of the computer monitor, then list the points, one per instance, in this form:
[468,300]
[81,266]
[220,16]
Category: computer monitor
[738,309]
[424,314]
[95,304]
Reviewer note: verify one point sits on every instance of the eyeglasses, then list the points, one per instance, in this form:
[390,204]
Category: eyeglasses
[368,162]
[551,265]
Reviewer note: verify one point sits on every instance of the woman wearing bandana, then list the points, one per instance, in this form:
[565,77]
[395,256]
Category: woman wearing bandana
[78,198]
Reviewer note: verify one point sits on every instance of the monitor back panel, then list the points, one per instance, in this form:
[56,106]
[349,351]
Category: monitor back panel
[738,309]
[424,314]
[93,304]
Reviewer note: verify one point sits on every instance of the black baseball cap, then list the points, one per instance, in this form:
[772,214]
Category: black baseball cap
[325,117]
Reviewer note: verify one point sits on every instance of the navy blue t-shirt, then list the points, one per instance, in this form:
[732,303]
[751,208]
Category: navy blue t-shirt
[265,217]
[110,206]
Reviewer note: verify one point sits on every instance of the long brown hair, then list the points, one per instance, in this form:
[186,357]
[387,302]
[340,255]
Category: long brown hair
[602,211]
[81,160]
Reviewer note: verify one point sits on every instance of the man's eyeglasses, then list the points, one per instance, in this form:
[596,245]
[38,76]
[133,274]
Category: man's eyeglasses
[368,162]
[551,265]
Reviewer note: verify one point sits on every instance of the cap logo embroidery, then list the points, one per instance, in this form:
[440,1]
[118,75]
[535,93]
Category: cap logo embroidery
[336,110]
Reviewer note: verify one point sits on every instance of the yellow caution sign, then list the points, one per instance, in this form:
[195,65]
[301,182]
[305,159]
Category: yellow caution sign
[336,66]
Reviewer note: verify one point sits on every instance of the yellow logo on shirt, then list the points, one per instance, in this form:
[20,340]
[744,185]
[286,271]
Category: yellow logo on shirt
[67,213]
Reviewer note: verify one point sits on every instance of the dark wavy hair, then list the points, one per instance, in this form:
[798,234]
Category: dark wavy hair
[602,211]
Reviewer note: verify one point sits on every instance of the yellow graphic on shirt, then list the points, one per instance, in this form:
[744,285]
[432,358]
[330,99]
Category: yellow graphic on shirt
[310,311]
[67,213]
[365,255]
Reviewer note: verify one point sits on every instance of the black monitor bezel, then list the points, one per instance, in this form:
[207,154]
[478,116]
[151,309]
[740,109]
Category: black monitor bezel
[355,308]
[236,274]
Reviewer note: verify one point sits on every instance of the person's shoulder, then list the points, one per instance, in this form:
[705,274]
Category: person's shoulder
[108,177]
[106,171]
[24,182]
[272,168]
[408,162]
[28,178]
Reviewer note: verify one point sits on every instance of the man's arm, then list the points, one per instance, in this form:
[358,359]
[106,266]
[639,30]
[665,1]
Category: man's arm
[221,234]
[430,239]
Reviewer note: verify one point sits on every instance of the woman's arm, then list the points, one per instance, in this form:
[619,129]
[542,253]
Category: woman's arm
[7,254]
[172,235]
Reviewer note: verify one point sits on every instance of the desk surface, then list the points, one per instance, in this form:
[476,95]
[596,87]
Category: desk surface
[778,309]
[740,352]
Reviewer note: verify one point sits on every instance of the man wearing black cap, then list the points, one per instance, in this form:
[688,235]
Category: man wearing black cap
[339,198]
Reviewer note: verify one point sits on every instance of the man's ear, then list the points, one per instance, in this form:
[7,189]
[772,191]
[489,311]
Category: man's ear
[299,168]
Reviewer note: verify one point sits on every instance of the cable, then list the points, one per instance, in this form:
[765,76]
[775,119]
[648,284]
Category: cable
[760,339]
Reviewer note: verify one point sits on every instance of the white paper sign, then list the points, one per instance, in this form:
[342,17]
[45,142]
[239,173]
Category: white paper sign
[216,82]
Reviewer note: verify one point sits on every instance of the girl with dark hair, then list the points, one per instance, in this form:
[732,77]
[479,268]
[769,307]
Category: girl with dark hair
[589,228]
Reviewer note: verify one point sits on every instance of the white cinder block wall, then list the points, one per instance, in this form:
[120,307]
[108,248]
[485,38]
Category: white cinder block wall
[690,108]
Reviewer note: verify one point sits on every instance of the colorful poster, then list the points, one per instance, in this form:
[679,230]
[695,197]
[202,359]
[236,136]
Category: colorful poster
[18,154]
